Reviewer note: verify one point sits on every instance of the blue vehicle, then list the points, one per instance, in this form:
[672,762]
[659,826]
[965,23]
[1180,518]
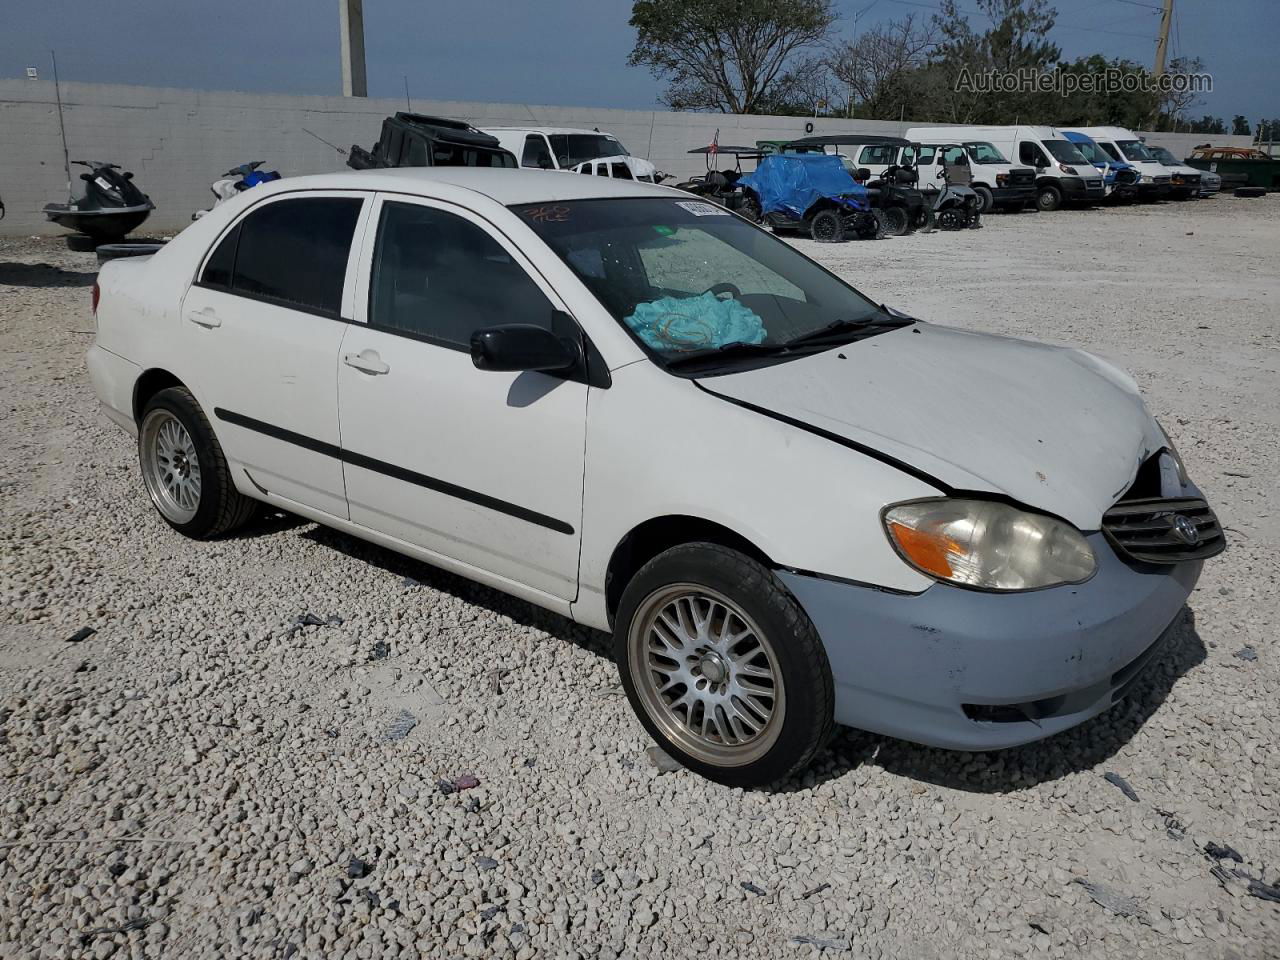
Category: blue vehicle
[1119,179]
[814,194]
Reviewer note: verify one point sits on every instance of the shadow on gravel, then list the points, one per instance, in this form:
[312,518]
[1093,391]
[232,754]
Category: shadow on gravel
[1001,771]
[522,612]
[43,275]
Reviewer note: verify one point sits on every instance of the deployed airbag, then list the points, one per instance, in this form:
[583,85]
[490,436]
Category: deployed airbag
[695,323]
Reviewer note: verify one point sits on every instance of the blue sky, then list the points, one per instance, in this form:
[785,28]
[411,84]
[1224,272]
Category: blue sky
[570,52]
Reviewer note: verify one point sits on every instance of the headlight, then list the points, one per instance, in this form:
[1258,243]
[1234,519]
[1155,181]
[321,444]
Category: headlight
[1175,456]
[987,545]
[1067,169]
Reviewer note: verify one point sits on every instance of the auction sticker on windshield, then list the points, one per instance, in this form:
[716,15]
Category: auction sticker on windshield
[699,209]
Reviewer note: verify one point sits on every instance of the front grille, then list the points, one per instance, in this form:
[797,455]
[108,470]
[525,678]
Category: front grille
[1093,184]
[1160,530]
[1126,176]
[1161,179]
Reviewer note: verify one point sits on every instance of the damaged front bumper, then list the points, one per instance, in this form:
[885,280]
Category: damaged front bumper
[968,670]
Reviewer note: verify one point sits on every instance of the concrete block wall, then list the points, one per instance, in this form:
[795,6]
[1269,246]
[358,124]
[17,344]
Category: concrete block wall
[178,141]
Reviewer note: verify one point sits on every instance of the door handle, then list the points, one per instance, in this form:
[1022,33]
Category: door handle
[366,361]
[206,317]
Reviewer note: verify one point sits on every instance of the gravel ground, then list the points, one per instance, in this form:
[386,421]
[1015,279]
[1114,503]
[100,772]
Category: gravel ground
[205,777]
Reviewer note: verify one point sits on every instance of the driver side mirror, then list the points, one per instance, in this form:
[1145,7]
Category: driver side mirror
[523,346]
[86,177]
[128,174]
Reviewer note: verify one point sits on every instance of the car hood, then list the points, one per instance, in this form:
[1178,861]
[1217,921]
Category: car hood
[1054,428]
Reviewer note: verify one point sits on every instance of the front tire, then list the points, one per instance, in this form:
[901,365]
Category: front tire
[184,469]
[827,226]
[1048,198]
[986,199]
[722,666]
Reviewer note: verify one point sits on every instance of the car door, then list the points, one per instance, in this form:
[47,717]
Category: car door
[264,320]
[481,467]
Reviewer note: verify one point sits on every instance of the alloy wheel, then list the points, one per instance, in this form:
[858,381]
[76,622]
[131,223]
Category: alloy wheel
[170,467]
[706,675]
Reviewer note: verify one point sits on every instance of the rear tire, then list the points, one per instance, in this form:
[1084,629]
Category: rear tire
[827,226]
[184,469]
[696,624]
[81,243]
[896,221]
[1048,198]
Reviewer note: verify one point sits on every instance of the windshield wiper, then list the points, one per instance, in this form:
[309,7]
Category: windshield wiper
[724,352]
[840,329]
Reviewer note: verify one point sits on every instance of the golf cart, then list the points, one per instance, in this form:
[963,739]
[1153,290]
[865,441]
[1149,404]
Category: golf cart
[811,194]
[956,205]
[722,186]
[894,194]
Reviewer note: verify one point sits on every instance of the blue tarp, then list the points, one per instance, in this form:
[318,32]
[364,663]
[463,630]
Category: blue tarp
[792,183]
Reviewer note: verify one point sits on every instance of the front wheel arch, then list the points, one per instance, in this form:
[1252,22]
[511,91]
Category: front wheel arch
[654,536]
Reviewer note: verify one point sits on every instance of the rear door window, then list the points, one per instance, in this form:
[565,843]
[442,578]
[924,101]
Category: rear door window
[877,155]
[292,252]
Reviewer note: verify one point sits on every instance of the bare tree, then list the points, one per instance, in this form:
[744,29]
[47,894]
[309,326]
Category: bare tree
[875,67]
[729,55]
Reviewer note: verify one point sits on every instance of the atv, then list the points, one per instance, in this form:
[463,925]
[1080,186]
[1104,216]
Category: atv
[893,195]
[812,194]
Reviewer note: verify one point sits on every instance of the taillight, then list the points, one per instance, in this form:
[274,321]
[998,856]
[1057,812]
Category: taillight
[97,294]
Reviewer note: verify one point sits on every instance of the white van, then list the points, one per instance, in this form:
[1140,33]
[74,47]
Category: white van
[566,148]
[1062,172]
[1121,144]
[993,176]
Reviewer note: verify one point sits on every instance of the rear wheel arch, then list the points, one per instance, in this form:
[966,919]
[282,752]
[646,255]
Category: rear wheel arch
[148,385]
[658,534]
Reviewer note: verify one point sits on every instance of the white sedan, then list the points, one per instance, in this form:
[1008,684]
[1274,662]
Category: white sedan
[792,507]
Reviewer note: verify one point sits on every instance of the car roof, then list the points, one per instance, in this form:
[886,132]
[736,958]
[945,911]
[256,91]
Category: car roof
[594,133]
[506,186]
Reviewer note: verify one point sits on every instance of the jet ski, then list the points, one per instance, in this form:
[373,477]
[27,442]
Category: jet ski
[111,206]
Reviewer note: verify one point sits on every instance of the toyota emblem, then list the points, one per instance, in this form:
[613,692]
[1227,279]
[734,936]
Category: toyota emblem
[1184,528]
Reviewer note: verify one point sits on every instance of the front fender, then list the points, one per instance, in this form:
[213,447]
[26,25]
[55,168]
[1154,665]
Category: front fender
[658,446]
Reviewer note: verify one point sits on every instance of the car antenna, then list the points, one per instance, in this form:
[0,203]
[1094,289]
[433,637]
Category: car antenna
[407,105]
[324,141]
[57,90]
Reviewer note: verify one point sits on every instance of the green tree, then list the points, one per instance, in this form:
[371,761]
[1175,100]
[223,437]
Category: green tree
[735,56]
[1240,126]
[1096,102]
[1016,41]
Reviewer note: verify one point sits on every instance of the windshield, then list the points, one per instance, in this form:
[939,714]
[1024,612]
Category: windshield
[1134,150]
[572,149]
[982,152]
[1089,150]
[689,280]
[1064,151]
[1164,156]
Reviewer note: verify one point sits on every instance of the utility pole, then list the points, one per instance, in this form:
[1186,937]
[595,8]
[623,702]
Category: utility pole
[1162,43]
[352,21]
